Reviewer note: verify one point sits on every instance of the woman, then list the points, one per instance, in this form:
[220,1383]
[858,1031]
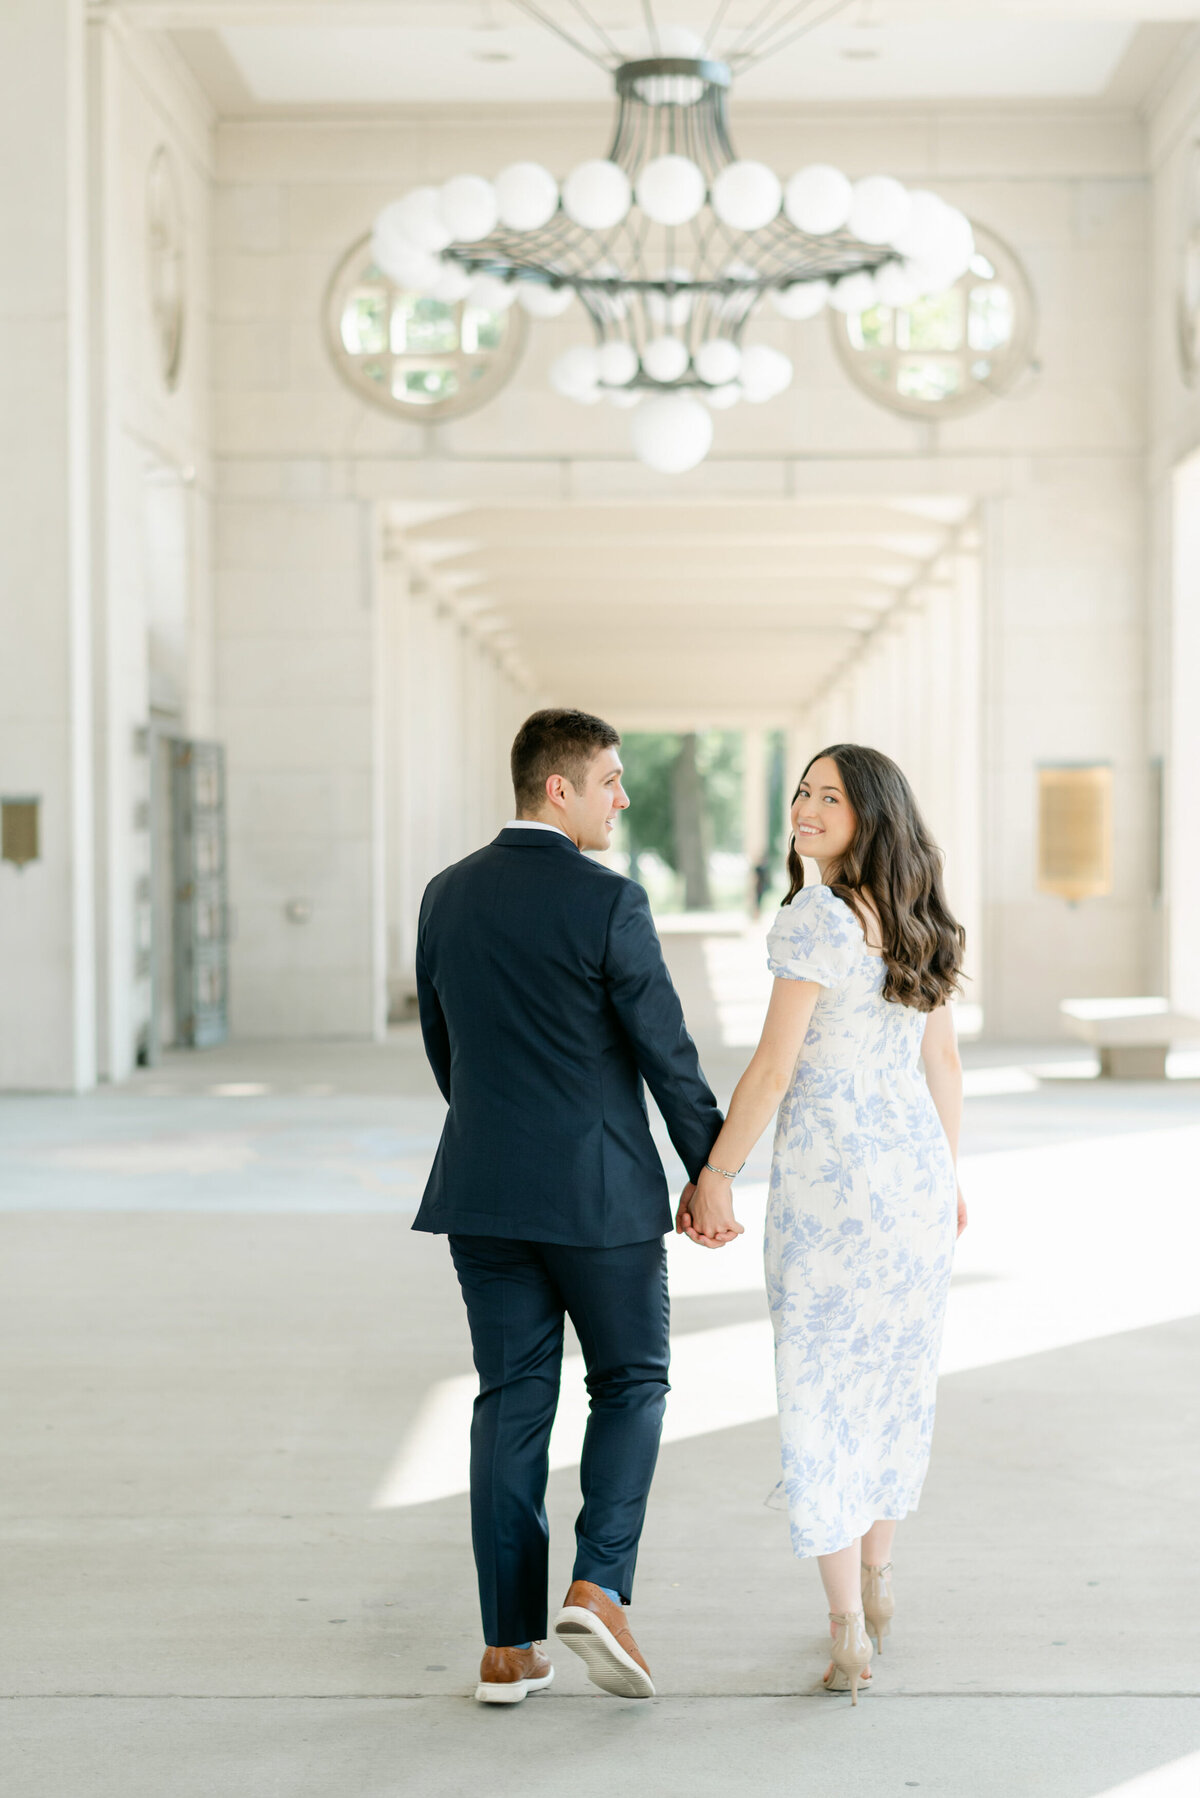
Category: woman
[864,1204]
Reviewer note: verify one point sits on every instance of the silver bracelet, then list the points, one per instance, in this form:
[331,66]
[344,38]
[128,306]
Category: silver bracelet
[724,1171]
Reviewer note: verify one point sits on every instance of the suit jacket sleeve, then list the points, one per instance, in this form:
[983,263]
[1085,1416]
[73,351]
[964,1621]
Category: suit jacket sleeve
[433,1018]
[648,1007]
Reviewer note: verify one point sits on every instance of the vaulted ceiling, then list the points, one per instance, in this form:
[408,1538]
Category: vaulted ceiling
[675,612]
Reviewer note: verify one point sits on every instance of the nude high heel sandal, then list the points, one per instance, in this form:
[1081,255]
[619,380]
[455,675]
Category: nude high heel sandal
[879,1603]
[851,1653]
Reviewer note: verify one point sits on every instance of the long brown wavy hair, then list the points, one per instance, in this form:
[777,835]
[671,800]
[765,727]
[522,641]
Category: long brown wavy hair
[893,859]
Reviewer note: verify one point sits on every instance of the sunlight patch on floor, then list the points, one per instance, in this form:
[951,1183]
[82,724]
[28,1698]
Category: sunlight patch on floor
[1178,1779]
[1066,1244]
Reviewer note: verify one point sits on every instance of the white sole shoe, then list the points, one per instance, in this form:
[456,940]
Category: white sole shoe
[512,1691]
[607,1663]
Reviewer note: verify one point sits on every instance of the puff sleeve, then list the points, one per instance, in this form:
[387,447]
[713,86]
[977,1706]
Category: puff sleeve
[816,937]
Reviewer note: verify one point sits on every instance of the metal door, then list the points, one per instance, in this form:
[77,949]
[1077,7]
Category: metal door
[201,937]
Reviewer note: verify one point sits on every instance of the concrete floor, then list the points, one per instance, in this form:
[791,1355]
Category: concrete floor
[220,1342]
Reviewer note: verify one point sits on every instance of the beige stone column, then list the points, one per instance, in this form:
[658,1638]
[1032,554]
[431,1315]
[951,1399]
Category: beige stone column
[1182,815]
[964,793]
[47,923]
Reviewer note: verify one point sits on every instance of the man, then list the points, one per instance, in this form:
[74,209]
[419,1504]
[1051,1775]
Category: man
[544,1003]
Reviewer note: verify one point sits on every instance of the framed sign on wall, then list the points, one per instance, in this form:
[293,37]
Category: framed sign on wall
[1075,831]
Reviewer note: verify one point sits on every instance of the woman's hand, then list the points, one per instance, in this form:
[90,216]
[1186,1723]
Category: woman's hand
[709,1219]
[962,1212]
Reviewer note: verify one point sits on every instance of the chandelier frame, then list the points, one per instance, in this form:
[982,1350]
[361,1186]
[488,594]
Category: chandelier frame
[721,300]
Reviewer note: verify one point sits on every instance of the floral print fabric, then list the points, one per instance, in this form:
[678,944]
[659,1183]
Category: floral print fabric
[860,1232]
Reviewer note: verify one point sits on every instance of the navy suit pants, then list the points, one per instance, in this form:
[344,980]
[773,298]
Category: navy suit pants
[517,1295]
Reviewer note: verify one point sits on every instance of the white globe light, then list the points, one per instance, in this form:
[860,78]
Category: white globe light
[419,215]
[921,233]
[894,285]
[404,263]
[717,361]
[957,245]
[596,195]
[576,372]
[618,363]
[933,276]
[676,41]
[665,358]
[721,398]
[879,210]
[746,195]
[853,293]
[389,224]
[540,300]
[453,284]
[526,196]
[818,199]
[765,372]
[674,311]
[672,432]
[468,204]
[491,294]
[671,190]
[803,299]
[926,277]
[625,398]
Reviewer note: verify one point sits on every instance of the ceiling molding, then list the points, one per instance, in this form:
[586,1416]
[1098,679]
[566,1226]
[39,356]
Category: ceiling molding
[1149,61]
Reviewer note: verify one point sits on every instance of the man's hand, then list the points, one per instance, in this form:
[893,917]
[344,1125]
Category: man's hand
[706,1212]
[683,1211]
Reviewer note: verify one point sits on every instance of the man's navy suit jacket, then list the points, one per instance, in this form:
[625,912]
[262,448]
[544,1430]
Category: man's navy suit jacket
[544,1003]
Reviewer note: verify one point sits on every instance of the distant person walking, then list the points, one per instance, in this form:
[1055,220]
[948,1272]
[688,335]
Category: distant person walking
[762,880]
[544,1003]
[864,1205]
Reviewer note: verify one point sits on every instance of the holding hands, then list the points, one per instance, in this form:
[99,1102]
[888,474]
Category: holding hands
[706,1211]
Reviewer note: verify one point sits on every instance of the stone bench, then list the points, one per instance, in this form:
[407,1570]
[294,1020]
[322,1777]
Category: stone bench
[1133,1036]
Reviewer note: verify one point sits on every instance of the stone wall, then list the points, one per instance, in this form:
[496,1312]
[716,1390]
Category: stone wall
[1057,469]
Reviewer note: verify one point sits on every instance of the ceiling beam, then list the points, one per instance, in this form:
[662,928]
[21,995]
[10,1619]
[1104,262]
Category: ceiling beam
[558,526]
[743,568]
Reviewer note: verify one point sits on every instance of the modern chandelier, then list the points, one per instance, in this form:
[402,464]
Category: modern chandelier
[671,242]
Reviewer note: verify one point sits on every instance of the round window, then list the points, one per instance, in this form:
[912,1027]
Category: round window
[411,354]
[946,355]
[1189,271]
[164,252]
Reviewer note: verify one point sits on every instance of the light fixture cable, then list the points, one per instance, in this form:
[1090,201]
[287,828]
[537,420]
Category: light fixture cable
[777,44]
[714,26]
[598,28]
[544,19]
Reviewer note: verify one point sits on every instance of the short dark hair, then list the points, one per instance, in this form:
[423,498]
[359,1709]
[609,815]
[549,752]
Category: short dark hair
[556,741]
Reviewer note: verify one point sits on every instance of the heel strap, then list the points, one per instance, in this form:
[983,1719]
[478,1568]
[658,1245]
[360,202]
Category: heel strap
[868,1567]
[843,1616]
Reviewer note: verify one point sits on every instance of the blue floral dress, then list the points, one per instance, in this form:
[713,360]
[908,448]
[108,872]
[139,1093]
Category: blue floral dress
[860,1232]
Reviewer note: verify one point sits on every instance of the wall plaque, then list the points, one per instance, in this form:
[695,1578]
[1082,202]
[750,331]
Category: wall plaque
[1075,852]
[19,835]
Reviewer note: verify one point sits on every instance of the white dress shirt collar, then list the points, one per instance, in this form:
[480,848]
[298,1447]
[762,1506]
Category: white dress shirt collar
[534,824]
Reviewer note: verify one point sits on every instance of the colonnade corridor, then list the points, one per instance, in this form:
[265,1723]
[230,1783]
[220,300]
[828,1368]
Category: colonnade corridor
[791,624]
[235,1527]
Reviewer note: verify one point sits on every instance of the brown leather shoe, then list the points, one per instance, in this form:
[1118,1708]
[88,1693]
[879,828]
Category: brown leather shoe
[506,1675]
[595,1628]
